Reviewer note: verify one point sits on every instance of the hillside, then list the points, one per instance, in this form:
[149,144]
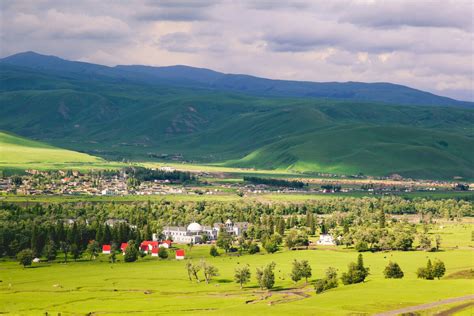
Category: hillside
[90,108]
[21,153]
[191,77]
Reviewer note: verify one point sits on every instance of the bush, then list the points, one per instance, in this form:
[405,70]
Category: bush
[327,283]
[162,253]
[393,271]
[25,257]
[361,246]
[213,251]
[253,248]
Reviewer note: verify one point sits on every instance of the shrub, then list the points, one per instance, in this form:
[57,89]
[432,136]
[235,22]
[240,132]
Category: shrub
[25,257]
[253,248]
[361,246]
[393,271]
[213,251]
[162,253]
[327,283]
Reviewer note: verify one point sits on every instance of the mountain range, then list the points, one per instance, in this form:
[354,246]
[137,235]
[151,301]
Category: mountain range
[194,114]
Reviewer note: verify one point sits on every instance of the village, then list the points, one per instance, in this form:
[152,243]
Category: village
[76,183]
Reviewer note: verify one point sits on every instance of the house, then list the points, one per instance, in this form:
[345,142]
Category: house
[326,240]
[154,252]
[123,247]
[147,245]
[194,232]
[165,244]
[106,249]
[180,254]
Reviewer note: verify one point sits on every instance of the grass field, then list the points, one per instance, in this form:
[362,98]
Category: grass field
[18,153]
[153,286]
[275,197]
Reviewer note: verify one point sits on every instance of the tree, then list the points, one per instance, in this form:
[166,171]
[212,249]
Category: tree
[403,241]
[162,253]
[131,253]
[209,271]
[356,272]
[25,257]
[393,271]
[113,253]
[75,251]
[438,269]
[50,251]
[426,272]
[266,276]
[296,271]
[242,275]
[65,249]
[438,242]
[328,282]
[36,244]
[193,270]
[224,240]
[189,270]
[305,270]
[213,251]
[92,249]
[425,242]
[270,245]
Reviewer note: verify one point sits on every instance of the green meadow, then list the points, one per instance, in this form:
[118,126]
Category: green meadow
[18,153]
[154,286]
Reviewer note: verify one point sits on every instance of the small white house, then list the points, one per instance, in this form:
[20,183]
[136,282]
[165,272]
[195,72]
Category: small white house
[326,240]
[36,260]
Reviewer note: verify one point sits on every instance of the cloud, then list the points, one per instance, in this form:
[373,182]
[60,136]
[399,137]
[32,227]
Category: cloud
[425,44]
[394,14]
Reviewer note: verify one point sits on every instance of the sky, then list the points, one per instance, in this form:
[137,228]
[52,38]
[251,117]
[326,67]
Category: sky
[428,45]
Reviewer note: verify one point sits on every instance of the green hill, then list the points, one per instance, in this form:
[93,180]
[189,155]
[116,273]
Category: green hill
[125,119]
[21,153]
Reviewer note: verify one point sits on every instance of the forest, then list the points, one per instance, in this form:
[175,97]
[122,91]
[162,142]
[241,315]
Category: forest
[367,224]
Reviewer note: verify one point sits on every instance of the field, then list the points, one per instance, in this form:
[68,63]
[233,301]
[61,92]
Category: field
[153,286]
[18,153]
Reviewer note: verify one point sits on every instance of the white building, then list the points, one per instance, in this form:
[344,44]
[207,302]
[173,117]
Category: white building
[194,232]
[326,240]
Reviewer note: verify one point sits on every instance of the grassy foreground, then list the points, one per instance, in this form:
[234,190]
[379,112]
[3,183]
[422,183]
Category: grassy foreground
[152,286]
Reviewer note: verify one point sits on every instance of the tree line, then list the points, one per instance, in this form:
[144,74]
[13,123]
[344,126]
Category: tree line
[275,182]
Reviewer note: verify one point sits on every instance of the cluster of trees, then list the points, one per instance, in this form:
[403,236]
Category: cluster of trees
[145,174]
[209,271]
[361,222]
[432,270]
[275,182]
[356,272]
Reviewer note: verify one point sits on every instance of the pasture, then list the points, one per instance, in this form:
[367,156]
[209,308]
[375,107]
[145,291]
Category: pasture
[154,286]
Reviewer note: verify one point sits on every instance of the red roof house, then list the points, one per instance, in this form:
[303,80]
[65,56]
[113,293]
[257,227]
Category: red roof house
[123,246]
[148,245]
[106,249]
[180,254]
[154,252]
